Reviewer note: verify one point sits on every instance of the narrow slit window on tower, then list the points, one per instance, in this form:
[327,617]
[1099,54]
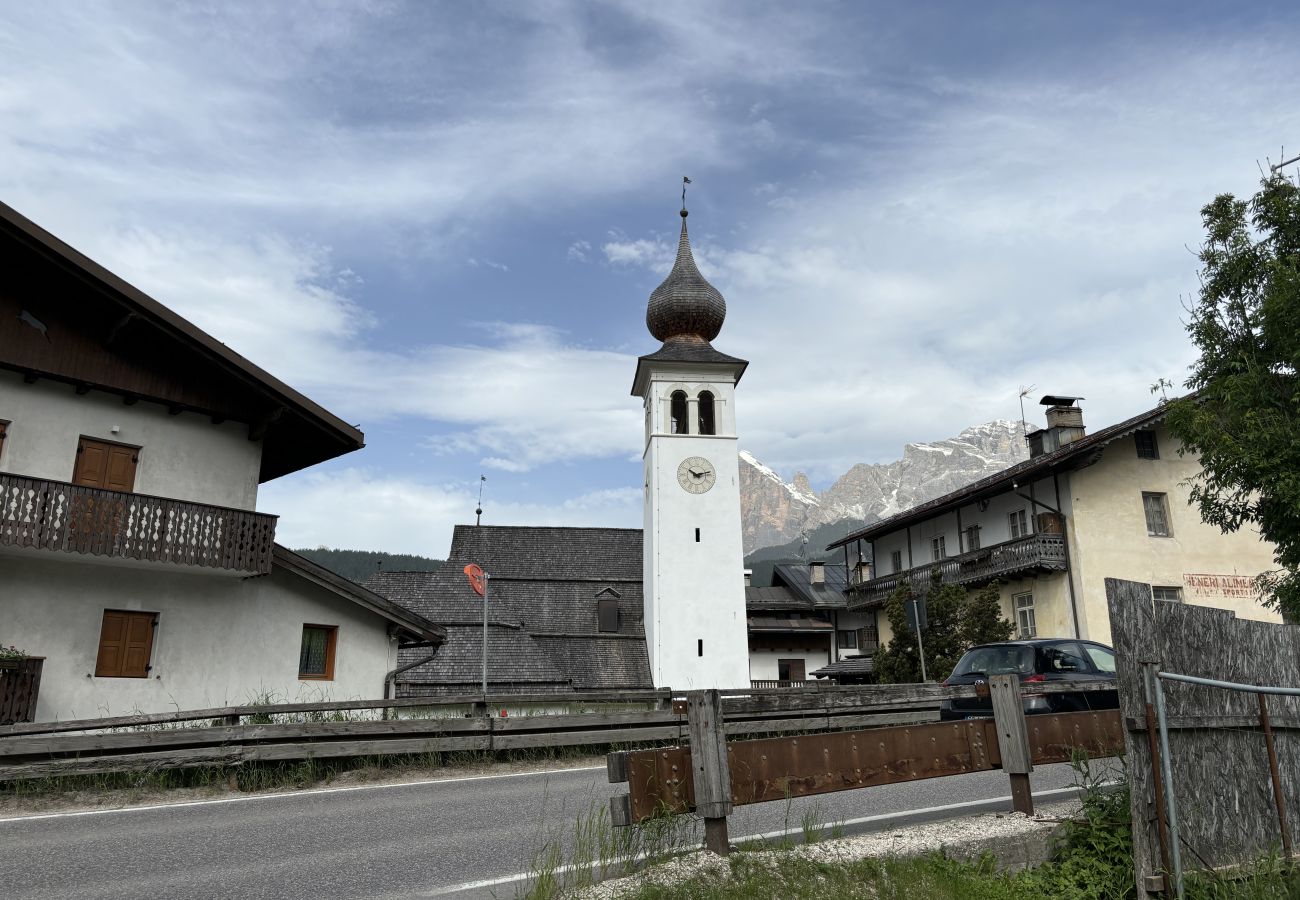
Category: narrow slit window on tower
[707,422]
[677,411]
[697,535]
[699,647]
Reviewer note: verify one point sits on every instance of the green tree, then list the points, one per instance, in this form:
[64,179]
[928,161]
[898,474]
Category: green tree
[1243,419]
[956,620]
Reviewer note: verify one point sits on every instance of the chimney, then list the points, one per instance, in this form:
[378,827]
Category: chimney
[1064,425]
[749,577]
[817,572]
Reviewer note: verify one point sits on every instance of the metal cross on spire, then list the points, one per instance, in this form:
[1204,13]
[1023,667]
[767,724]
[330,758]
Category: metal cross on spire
[685,181]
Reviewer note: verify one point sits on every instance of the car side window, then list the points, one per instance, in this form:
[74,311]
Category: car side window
[1064,658]
[1102,658]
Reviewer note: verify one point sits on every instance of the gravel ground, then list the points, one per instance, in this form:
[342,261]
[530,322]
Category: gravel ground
[962,838]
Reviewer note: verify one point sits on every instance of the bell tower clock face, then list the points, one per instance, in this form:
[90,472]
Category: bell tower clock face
[696,475]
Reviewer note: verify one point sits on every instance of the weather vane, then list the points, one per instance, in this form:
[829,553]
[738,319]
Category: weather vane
[685,181]
[478,512]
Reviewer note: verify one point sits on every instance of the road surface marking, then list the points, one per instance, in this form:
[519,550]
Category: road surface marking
[304,793]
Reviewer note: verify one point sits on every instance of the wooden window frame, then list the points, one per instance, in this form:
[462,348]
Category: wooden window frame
[1018,524]
[135,459]
[1150,498]
[1152,451]
[847,639]
[802,664]
[896,561]
[1166,593]
[939,548]
[105,668]
[1024,603]
[331,645]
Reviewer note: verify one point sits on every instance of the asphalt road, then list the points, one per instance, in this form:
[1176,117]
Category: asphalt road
[398,841]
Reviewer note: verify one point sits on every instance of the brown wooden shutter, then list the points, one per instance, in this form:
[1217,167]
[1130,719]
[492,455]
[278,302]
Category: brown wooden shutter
[125,644]
[104,465]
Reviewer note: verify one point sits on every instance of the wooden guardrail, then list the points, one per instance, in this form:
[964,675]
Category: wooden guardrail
[711,774]
[232,735]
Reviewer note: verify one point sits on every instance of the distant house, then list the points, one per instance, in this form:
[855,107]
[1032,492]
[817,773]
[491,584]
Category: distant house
[1050,530]
[564,613]
[801,624]
[132,557]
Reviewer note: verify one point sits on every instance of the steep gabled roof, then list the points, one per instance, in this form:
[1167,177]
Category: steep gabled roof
[105,334]
[543,587]
[828,595]
[422,629]
[1073,455]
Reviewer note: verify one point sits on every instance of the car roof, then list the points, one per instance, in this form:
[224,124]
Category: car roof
[1039,642]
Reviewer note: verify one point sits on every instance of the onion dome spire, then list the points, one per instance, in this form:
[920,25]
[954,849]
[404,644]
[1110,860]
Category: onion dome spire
[685,306]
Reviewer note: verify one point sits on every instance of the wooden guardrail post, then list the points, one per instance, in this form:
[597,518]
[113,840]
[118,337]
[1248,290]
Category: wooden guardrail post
[1013,739]
[711,772]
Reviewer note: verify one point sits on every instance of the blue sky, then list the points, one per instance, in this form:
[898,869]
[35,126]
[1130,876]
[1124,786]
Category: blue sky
[442,220]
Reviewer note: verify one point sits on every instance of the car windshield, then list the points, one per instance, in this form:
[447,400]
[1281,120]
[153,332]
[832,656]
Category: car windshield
[1000,660]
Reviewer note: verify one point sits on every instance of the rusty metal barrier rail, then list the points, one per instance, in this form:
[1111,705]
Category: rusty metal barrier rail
[669,781]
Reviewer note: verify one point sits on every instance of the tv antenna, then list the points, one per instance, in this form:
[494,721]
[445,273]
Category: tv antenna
[478,510]
[1024,392]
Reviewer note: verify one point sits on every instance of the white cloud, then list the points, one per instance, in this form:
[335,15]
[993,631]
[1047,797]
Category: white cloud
[402,515]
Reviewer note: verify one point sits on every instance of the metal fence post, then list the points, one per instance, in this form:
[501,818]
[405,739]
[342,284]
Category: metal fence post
[1013,739]
[710,770]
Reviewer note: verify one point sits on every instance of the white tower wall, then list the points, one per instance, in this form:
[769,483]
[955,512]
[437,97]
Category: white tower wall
[694,560]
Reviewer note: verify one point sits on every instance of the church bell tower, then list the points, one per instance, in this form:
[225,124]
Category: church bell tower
[694,586]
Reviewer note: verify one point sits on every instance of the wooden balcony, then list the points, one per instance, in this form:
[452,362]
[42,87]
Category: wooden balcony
[54,515]
[774,683]
[1035,553]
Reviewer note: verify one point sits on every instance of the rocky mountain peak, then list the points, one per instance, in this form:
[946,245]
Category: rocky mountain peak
[775,512]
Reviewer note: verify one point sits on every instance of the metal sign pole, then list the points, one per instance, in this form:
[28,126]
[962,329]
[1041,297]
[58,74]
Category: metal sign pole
[487,583]
[920,647]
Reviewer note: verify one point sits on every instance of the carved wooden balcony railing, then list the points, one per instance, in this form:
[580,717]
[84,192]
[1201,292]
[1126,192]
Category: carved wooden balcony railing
[55,515]
[774,683]
[1037,552]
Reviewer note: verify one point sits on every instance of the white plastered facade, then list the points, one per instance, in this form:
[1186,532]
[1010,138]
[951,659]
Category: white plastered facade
[183,456]
[220,640]
[695,623]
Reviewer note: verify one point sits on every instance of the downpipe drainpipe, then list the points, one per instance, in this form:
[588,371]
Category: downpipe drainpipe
[1065,540]
[390,679]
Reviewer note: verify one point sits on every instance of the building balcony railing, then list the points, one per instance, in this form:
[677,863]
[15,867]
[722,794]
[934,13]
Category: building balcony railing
[775,683]
[54,515]
[1037,552]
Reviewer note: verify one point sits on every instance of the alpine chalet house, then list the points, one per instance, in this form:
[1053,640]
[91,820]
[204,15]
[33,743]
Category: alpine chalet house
[1049,531]
[132,557]
[801,625]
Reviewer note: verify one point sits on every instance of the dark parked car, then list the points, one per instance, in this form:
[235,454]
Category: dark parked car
[1035,660]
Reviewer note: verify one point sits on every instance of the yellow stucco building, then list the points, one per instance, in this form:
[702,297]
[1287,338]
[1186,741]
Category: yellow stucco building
[1049,531]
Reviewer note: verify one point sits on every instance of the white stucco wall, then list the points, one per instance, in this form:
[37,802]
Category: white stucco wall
[220,639]
[694,590]
[763,663]
[185,456]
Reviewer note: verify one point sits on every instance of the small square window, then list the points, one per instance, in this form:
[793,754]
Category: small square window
[1156,509]
[896,561]
[1146,445]
[848,640]
[316,658]
[1168,594]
